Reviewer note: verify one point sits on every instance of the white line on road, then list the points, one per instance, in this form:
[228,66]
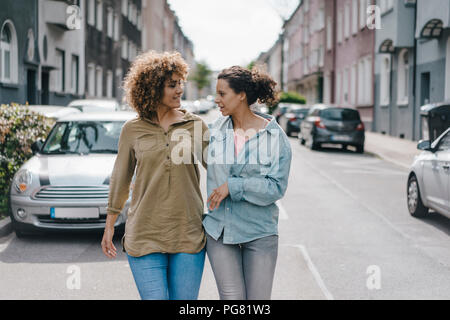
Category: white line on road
[315,272]
[283,213]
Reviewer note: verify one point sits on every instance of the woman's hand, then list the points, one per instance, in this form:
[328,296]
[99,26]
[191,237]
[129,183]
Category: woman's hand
[108,247]
[217,196]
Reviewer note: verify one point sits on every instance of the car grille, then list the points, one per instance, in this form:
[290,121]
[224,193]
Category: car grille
[73,192]
[49,220]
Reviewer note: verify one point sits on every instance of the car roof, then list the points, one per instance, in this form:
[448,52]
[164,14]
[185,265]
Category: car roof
[94,102]
[100,116]
[322,106]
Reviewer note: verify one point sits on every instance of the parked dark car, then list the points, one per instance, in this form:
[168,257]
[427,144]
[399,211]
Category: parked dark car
[291,120]
[282,109]
[332,124]
[435,119]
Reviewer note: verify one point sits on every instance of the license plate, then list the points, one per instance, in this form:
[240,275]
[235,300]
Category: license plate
[74,213]
[341,138]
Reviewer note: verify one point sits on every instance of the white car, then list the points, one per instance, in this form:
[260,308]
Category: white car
[429,180]
[95,105]
[53,112]
[65,185]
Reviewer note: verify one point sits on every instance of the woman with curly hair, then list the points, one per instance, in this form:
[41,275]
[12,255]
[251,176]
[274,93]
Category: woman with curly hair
[248,168]
[164,238]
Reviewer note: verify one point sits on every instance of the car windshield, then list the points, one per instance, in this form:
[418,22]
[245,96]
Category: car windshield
[299,111]
[340,114]
[83,137]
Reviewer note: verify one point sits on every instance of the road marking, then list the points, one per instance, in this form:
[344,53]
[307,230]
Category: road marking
[5,244]
[283,213]
[315,272]
[354,197]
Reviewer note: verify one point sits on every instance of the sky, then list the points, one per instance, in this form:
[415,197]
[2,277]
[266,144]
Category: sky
[231,32]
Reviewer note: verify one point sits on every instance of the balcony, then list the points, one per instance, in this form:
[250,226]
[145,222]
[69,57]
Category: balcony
[61,14]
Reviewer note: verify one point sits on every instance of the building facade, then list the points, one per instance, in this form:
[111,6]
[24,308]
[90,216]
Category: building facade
[61,48]
[354,58]
[19,54]
[113,40]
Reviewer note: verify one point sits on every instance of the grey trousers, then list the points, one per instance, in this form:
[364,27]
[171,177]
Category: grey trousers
[243,271]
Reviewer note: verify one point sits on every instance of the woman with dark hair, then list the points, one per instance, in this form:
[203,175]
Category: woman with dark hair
[164,237]
[248,167]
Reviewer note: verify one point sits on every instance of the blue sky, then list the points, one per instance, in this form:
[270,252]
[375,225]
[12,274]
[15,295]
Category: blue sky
[231,32]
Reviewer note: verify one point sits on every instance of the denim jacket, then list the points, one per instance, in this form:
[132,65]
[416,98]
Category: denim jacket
[257,177]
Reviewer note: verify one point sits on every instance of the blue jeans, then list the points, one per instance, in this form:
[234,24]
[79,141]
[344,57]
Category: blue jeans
[162,276]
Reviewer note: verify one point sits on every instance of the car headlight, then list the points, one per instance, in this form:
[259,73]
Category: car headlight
[23,180]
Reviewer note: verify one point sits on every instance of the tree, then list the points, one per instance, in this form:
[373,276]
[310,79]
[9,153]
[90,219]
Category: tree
[201,76]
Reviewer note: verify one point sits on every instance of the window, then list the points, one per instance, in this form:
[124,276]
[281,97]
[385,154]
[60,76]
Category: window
[339,27]
[353,85]
[327,88]
[447,71]
[91,80]
[444,144]
[329,33]
[345,86]
[354,16]
[116,27]
[403,77]
[74,85]
[361,87]
[338,87]
[368,91]
[385,79]
[362,13]
[99,22]
[110,23]
[125,7]
[109,84]
[91,12]
[61,71]
[124,47]
[8,54]
[347,20]
[99,80]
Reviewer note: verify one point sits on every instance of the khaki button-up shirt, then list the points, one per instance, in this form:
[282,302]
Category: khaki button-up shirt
[166,208]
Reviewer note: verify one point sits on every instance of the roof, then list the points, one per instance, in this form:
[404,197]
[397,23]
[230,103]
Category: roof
[100,116]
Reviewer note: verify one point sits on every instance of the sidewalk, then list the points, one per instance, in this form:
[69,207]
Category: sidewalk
[395,150]
[398,151]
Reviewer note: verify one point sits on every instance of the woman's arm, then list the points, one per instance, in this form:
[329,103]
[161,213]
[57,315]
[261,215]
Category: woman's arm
[119,189]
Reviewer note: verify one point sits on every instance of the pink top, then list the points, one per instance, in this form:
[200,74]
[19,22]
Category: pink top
[239,141]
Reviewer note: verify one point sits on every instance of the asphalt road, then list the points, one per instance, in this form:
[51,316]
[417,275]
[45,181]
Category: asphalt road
[345,233]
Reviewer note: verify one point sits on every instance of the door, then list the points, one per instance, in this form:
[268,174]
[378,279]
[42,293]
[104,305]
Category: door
[436,177]
[31,87]
[45,88]
[425,88]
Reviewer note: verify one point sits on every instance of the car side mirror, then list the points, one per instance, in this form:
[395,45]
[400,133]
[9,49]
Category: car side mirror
[37,146]
[424,145]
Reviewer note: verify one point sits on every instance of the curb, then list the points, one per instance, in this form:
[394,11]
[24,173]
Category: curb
[5,227]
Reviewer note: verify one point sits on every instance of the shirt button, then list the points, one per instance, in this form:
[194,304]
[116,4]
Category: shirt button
[167,145]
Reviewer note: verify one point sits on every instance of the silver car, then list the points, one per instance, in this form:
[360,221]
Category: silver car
[428,182]
[65,185]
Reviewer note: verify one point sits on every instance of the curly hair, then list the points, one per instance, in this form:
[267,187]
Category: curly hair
[145,80]
[257,84]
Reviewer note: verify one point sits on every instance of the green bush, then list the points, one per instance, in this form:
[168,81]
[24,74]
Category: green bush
[19,128]
[292,97]
[289,97]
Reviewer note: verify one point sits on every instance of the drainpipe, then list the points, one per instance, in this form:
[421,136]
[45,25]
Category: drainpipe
[414,76]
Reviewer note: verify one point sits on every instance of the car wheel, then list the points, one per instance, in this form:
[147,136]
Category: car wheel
[415,204]
[313,144]
[360,149]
